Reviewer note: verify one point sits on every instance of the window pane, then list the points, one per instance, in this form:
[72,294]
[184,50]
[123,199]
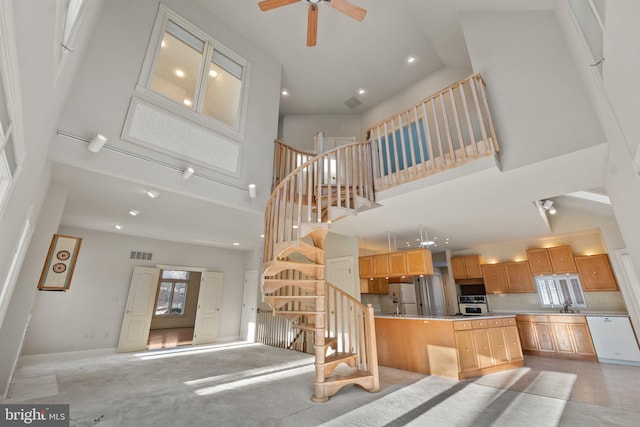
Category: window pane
[228,64]
[179,298]
[164,298]
[176,72]
[222,96]
[577,293]
[175,274]
[4,112]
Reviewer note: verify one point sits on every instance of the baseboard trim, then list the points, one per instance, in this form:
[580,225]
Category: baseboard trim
[31,358]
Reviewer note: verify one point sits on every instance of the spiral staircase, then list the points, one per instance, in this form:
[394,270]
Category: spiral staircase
[310,192]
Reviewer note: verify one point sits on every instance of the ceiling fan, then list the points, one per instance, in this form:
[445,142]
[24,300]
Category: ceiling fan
[343,6]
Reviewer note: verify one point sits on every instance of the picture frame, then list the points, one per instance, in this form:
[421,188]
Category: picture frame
[60,263]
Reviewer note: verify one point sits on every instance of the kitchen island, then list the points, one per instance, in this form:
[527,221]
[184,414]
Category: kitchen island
[457,347]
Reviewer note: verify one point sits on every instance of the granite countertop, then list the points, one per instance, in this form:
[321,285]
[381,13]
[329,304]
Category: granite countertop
[449,318]
[582,313]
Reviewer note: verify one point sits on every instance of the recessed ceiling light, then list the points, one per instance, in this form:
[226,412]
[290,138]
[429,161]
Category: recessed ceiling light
[134,212]
[153,194]
[262,235]
[410,59]
[236,244]
[119,227]
[163,44]
[213,73]
[295,226]
[179,73]
[284,92]
[187,102]
[362,91]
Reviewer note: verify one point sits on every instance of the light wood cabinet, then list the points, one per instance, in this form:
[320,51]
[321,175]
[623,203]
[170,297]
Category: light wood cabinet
[562,259]
[565,336]
[374,286]
[512,341]
[466,351]
[396,264]
[466,267]
[539,261]
[365,264]
[419,261]
[595,273]
[519,277]
[556,260]
[498,345]
[495,278]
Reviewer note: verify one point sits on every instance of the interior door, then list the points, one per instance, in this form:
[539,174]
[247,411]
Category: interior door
[139,310]
[340,274]
[249,306]
[208,313]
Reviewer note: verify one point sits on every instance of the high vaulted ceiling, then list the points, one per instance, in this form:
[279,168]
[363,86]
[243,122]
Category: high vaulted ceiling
[349,55]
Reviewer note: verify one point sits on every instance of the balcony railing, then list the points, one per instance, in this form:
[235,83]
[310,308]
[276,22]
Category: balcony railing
[445,130]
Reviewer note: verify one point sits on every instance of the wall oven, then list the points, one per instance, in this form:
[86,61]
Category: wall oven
[473,305]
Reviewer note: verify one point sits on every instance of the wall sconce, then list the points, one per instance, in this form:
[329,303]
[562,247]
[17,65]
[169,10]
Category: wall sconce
[97,143]
[187,172]
[252,191]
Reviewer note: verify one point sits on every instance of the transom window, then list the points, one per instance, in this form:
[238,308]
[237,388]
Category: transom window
[555,291]
[172,293]
[196,72]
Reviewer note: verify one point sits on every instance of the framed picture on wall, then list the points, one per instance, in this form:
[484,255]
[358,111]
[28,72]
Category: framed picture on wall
[60,263]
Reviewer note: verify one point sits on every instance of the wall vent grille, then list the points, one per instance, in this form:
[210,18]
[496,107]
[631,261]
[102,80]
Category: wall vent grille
[141,255]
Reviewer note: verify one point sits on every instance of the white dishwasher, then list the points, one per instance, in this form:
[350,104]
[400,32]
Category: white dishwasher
[614,339]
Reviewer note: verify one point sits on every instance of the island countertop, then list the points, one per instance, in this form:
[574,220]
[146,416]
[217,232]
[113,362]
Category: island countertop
[452,318]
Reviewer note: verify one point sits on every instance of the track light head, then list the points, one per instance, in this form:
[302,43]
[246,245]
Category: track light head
[97,143]
[252,191]
[187,172]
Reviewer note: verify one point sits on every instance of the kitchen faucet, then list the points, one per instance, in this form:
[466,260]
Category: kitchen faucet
[565,307]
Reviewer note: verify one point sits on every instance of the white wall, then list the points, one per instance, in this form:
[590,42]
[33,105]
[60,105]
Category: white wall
[299,130]
[89,315]
[540,109]
[106,83]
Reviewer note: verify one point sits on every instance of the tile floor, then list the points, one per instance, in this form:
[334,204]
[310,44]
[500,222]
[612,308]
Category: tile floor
[241,384]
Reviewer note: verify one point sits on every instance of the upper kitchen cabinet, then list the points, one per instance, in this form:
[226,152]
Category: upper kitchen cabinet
[595,273]
[419,261]
[397,264]
[558,260]
[495,278]
[519,277]
[365,264]
[562,260]
[466,267]
[381,265]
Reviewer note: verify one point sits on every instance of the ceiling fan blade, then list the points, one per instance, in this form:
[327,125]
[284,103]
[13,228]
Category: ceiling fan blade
[272,4]
[347,8]
[312,25]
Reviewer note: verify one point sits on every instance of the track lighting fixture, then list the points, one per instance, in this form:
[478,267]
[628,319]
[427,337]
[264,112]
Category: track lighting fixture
[252,191]
[547,205]
[187,173]
[97,143]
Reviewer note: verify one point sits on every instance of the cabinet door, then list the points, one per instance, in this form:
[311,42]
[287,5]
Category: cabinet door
[539,261]
[498,346]
[397,264]
[472,264]
[458,268]
[419,261]
[513,343]
[582,340]
[365,264]
[519,277]
[562,334]
[466,351]
[562,259]
[595,273]
[483,347]
[527,336]
[495,280]
[545,337]
[364,286]
[381,285]
[381,265]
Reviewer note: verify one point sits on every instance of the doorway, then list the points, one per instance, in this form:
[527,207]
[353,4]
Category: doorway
[163,297]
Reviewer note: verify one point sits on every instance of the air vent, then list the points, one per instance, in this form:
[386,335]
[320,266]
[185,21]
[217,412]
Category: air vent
[141,255]
[352,102]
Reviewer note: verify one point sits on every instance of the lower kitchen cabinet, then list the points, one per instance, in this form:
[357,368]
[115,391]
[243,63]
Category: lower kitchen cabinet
[556,336]
[374,286]
[466,351]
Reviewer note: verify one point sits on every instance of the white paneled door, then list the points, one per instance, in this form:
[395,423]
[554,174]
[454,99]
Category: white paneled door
[139,310]
[208,314]
[249,306]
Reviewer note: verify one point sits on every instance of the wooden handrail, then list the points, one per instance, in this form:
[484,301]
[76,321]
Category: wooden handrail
[286,159]
[351,323]
[444,130]
[337,179]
